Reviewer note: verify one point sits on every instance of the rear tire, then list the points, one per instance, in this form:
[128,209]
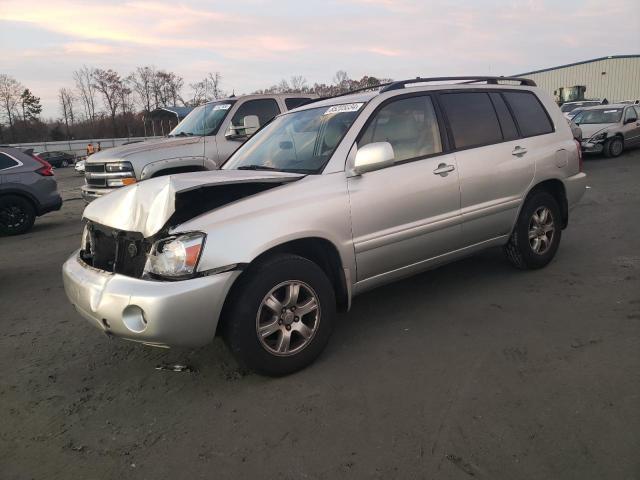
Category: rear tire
[17,215]
[536,236]
[613,147]
[260,325]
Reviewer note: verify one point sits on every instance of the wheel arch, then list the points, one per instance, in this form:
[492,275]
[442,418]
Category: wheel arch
[557,189]
[319,250]
[24,194]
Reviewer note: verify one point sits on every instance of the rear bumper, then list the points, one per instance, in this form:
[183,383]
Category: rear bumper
[181,313]
[54,205]
[575,186]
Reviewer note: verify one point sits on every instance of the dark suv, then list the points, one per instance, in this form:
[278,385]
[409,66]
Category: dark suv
[28,189]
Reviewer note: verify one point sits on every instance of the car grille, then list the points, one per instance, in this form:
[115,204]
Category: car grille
[116,251]
[94,167]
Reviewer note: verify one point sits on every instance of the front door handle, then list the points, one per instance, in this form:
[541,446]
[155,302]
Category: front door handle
[519,151]
[443,169]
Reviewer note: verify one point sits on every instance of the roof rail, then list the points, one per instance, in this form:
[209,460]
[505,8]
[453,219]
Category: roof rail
[465,80]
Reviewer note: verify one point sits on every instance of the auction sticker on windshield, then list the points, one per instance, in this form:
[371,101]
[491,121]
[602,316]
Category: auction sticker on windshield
[347,107]
[223,106]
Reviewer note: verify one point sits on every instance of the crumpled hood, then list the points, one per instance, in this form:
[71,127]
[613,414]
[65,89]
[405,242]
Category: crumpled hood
[590,129]
[145,207]
[124,151]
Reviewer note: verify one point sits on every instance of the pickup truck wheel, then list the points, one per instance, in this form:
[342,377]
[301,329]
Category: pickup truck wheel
[280,316]
[17,215]
[536,236]
[613,147]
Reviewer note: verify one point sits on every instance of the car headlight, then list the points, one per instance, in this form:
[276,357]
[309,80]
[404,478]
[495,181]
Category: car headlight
[175,257]
[85,242]
[119,167]
[598,137]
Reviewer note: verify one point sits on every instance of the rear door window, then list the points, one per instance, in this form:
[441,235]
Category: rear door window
[292,103]
[409,125]
[508,126]
[472,119]
[531,116]
[6,161]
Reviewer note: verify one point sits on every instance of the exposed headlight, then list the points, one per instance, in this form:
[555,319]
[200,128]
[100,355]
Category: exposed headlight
[175,257]
[85,242]
[119,167]
[598,137]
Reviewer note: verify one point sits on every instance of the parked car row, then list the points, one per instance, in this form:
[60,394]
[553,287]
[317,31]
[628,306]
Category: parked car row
[326,201]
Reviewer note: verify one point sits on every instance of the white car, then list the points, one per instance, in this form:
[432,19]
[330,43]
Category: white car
[79,167]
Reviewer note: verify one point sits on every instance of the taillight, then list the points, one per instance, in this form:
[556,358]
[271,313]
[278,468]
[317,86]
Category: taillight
[579,155]
[46,170]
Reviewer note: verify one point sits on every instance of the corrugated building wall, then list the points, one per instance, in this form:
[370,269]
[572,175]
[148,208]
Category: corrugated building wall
[614,78]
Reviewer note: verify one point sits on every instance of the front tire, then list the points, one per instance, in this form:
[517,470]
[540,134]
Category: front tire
[17,215]
[280,316]
[536,236]
[64,163]
[613,147]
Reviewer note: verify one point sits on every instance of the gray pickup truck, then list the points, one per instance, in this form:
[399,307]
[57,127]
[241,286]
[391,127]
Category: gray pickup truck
[202,141]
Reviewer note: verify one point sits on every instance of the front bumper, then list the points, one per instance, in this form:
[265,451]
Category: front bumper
[91,193]
[592,147]
[181,313]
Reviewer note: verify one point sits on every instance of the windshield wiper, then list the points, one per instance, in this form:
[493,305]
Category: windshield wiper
[258,167]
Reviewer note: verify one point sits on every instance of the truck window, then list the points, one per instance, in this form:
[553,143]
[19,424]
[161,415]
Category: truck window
[295,102]
[252,115]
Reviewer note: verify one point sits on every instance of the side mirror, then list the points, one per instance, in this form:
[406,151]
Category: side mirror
[630,120]
[373,156]
[250,125]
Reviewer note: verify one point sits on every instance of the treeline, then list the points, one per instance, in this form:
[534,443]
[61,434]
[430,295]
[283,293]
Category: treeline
[104,103]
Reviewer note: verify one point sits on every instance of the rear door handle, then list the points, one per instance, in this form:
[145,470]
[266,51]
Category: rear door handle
[519,151]
[443,169]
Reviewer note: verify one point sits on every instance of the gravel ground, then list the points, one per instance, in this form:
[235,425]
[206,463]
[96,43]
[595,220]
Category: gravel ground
[472,370]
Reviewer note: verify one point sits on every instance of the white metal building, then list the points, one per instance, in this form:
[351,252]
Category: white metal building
[614,78]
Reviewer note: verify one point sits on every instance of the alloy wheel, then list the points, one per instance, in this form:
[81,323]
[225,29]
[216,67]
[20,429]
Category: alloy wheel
[288,318]
[541,230]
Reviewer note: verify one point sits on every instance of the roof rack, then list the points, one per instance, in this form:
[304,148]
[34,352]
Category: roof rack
[465,80]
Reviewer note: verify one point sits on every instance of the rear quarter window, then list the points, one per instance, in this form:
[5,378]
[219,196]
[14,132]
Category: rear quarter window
[472,119]
[6,161]
[530,115]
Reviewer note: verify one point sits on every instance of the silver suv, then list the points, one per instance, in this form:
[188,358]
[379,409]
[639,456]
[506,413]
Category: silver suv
[202,141]
[328,201]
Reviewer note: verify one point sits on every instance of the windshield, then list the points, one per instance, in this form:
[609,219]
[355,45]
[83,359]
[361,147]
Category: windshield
[203,120]
[612,115]
[300,142]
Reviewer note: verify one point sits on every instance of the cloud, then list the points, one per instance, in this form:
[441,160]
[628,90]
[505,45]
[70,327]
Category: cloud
[256,43]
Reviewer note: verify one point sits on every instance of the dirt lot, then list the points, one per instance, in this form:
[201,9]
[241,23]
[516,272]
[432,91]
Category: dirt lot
[473,370]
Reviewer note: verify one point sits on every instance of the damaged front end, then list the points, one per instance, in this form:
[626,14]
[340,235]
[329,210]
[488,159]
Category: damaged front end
[122,280]
[129,232]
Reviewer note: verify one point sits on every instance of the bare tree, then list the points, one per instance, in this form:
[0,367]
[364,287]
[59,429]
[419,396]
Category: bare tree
[341,78]
[66,99]
[86,90]
[166,88]
[10,91]
[109,84]
[206,89]
[142,83]
[298,84]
